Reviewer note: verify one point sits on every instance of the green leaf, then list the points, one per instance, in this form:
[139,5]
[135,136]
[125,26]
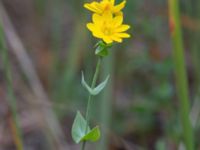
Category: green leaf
[93,135]
[96,90]
[101,86]
[86,85]
[102,49]
[99,43]
[79,128]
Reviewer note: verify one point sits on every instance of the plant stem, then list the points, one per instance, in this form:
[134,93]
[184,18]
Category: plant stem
[94,80]
[16,130]
[180,73]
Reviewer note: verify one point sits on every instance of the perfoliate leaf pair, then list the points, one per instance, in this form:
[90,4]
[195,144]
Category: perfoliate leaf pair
[96,90]
[82,132]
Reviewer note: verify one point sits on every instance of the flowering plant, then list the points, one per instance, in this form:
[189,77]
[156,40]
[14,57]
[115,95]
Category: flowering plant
[107,25]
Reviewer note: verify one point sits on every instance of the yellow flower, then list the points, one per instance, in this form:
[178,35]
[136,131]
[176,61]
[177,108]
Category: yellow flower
[109,28]
[105,6]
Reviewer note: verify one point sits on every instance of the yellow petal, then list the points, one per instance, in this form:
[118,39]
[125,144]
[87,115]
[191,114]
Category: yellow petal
[107,16]
[90,26]
[122,28]
[119,7]
[89,7]
[97,19]
[107,39]
[120,13]
[97,33]
[123,35]
[93,7]
[117,21]
[112,1]
[117,39]
[95,30]
[99,7]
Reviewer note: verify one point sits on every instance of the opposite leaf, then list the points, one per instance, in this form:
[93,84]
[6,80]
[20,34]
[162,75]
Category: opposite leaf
[96,90]
[93,135]
[101,86]
[102,49]
[86,85]
[79,128]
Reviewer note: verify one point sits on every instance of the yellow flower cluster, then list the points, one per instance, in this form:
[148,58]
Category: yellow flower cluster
[107,21]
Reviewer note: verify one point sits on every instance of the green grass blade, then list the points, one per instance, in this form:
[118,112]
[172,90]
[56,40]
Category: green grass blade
[180,73]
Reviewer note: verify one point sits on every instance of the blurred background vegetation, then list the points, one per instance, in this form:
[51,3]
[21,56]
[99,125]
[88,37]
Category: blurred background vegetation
[48,46]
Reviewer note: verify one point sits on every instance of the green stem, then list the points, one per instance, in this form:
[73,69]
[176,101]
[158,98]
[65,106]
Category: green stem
[17,133]
[180,73]
[94,80]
